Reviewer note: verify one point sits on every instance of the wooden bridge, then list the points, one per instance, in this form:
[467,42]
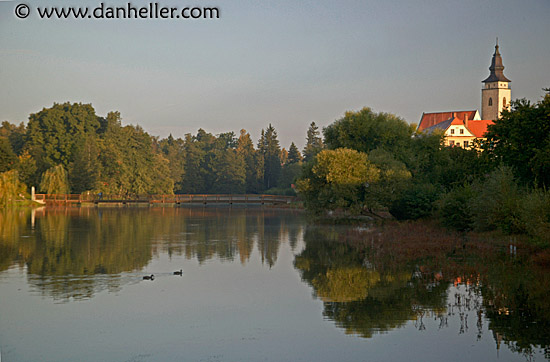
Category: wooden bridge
[78,199]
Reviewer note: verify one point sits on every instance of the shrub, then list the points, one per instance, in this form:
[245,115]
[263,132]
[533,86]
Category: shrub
[415,202]
[497,204]
[535,215]
[456,210]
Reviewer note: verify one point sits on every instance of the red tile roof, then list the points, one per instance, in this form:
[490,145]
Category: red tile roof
[479,128]
[457,121]
[431,119]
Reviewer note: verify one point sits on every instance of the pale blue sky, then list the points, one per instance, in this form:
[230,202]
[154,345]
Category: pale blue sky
[282,62]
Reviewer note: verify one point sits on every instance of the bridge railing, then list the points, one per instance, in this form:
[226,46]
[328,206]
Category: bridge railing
[176,198]
[58,198]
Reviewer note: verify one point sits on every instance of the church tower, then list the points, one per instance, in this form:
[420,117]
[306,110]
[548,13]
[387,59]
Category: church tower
[496,93]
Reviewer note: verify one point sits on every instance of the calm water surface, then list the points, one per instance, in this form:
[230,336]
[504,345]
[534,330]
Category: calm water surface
[257,285]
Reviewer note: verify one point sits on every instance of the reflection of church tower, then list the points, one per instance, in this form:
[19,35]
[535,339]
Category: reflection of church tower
[496,93]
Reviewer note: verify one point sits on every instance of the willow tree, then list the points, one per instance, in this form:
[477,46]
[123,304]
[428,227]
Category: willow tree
[10,188]
[55,181]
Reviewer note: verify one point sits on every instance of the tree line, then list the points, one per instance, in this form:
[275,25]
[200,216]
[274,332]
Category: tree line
[69,149]
[376,162]
[365,163]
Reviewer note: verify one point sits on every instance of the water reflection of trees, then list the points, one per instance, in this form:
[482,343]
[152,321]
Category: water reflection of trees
[359,297]
[372,281]
[76,252]
[228,233]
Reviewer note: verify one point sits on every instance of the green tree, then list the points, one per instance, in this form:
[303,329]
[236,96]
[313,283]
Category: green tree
[294,155]
[521,139]
[338,179]
[268,145]
[366,130]
[289,174]
[193,180]
[16,135]
[415,202]
[55,181]
[56,133]
[229,171]
[497,203]
[85,170]
[26,165]
[227,140]
[314,142]
[7,156]
[11,188]
[161,182]
[456,209]
[253,162]
[394,179]
[129,163]
[174,152]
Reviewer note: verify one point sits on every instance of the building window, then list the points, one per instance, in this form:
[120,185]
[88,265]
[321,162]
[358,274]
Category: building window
[452,131]
[504,102]
[490,102]
[466,144]
[461,131]
[451,143]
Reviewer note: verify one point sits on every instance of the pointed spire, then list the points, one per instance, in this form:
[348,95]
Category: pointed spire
[496,68]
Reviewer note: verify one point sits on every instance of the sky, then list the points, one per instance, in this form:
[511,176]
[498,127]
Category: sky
[282,62]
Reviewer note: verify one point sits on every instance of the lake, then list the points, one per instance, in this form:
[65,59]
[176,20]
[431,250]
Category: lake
[257,284]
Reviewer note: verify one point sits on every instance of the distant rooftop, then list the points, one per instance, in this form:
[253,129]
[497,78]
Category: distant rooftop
[431,119]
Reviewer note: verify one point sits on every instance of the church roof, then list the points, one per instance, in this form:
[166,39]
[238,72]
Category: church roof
[431,119]
[496,69]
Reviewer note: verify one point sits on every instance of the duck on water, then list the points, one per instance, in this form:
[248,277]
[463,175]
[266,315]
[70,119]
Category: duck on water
[152,276]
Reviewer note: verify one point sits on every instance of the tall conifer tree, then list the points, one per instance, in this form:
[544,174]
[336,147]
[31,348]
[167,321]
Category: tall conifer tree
[314,142]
